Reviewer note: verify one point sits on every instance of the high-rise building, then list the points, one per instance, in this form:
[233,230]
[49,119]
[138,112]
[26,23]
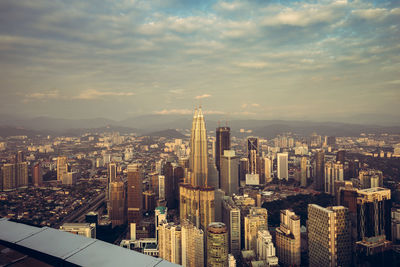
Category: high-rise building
[288,239]
[20,156]
[333,172]
[282,166]
[37,176]
[192,245]
[231,218]
[117,203]
[243,168]
[329,241]
[265,248]
[9,179]
[197,197]
[267,168]
[229,172]
[160,215]
[112,172]
[223,142]
[134,194]
[217,245]
[341,156]
[161,187]
[370,178]
[252,154]
[169,242]
[198,161]
[396,225]
[303,171]
[319,170]
[62,168]
[168,172]
[256,220]
[22,174]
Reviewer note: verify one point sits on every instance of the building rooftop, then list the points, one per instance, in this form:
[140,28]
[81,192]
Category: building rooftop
[55,247]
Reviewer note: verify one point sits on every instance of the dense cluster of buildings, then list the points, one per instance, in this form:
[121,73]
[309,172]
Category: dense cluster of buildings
[199,202]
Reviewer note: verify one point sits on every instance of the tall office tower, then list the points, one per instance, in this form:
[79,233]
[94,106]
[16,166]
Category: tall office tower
[219,195]
[62,168]
[179,177]
[117,203]
[20,156]
[37,176]
[149,201]
[256,220]
[197,197]
[134,192]
[395,225]
[169,243]
[333,172]
[329,241]
[288,239]
[252,154]
[168,172]
[22,174]
[217,245]
[230,172]
[267,168]
[9,181]
[154,182]
[303,170]
[319,170]
[112,172]
[265,248]
[192,245]
[160,215]
[231,218]
[161,187]
[341,156]
[198,163]
[213,175]
[370,178]
[243,168]
[282,166]
[223,142]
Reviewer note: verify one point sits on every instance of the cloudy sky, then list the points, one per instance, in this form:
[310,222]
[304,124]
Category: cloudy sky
[254,59]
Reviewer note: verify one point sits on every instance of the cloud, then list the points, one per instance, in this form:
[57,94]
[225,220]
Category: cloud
[372,13]
[43,95]
[252,64]
[95,94]
[174,111]
[202,96]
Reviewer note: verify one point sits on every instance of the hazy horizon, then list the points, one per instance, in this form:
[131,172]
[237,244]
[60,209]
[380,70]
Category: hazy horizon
[273,60]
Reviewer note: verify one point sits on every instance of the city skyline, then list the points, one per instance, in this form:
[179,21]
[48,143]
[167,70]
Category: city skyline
[303,60]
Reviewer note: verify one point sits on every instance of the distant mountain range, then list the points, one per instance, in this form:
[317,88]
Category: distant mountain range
[156,125]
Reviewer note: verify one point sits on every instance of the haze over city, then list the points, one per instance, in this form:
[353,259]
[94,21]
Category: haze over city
[296,60]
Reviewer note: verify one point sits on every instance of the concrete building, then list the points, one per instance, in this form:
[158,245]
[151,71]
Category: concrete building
[229,172]
[231,218]
[9,179]
[117,203]
[288,239]
[303,171]
[222,143]
[256,220]
[169,242]
[192,245]
[62,167]
[134,194]
[282,166]
[37,175]
[266,248]
[267,169]
[22,174]
[333,172]
[329,241]
[217,245]
[396,225]
[84,229]
[319,177]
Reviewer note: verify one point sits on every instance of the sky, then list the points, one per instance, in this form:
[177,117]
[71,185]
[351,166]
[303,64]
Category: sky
[254,59]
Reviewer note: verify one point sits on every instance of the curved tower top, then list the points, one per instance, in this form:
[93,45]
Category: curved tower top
[198,150]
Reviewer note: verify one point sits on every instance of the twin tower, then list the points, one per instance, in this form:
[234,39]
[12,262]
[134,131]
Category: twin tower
[196,196]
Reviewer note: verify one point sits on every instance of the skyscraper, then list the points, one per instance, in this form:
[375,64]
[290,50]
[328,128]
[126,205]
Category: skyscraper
[22,174]
[329,241]
[229,172]
[265,248]
[223,142]
[62,168]
[303,170]
[256,220]
[192,245]
[231,218]
[9,179]
[333,172]
[198,163]
[217,245]
[288,239]
[160,215]
[282,166]
[267,168]
[117,203]
[197,197]
[112,172]
[37,176]
[134,193]
[252,154]
[319,171]
[170,242]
